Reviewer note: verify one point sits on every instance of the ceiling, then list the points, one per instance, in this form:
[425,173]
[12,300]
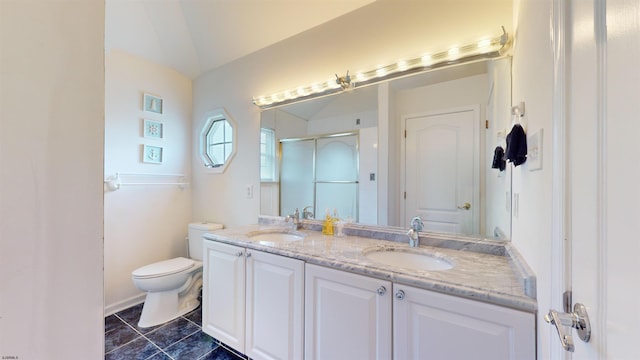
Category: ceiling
[195,36]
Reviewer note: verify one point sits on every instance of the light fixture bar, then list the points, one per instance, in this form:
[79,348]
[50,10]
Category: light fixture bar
[484,49]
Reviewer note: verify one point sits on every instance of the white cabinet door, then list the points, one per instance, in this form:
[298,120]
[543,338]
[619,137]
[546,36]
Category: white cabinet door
[345,316]
[429,325]
[275,299]
[223,294]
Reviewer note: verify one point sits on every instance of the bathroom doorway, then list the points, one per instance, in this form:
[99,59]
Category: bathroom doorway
[441,170]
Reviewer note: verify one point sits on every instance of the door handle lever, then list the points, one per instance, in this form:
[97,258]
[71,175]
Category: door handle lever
[578,319]
[465,206]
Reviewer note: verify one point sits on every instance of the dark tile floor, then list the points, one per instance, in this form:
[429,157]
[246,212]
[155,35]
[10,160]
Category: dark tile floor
[179,339]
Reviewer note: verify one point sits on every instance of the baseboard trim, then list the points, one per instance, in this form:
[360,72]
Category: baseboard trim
[124,304]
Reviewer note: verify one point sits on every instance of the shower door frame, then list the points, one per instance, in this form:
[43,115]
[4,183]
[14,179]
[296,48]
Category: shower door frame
[315,181]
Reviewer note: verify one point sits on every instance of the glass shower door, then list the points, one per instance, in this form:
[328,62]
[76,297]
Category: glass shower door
[337,176]
[296,175]
[320,172]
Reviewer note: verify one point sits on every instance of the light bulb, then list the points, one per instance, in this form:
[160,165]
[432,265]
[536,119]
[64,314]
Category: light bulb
[484,43]
[453,52]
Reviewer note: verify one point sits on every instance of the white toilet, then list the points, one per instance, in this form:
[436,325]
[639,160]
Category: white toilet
[173,286]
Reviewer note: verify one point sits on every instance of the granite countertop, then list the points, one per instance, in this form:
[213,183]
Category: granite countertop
[483,270]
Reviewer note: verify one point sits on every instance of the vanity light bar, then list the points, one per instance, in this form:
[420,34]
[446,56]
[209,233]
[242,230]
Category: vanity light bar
[483,49]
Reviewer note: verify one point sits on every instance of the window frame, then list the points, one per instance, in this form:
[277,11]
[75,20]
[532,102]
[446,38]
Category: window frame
[270,153]
[212,117]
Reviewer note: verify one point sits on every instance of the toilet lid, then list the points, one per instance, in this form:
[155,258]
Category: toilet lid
[162,268]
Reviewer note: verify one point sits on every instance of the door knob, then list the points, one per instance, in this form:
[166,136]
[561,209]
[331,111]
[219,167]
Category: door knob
[465,206]
[578,319]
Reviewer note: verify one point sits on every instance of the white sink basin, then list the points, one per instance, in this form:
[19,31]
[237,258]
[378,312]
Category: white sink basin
[276,235]
[408,259]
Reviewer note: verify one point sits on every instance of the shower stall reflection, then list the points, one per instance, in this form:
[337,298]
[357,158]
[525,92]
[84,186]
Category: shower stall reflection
[320,172]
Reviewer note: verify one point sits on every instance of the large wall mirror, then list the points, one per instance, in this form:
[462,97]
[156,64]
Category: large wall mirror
[381,154]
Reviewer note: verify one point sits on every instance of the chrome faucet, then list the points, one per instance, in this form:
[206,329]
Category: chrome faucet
[416,226]
[295,219]
[306,214]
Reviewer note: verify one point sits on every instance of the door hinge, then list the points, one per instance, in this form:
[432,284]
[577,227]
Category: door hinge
[405,195]
[486,124]
[405,134]
[567,301]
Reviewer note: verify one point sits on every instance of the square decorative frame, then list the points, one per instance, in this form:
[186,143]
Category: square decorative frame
[534,150]
[152,154]
[152,129]
[152,103]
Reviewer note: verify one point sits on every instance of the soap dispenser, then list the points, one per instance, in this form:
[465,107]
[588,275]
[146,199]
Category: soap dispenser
[327,227]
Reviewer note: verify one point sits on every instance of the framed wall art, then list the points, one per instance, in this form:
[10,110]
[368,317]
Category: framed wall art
[152,154]
[152,103]
[153,129]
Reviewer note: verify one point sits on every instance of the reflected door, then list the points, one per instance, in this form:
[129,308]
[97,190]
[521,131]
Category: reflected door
[439,171]
[322,173]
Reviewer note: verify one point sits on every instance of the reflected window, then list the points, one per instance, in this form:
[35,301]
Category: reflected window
[267,155]
[218,138]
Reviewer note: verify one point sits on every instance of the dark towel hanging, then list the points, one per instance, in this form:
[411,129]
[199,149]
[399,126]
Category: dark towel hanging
[516,151]
[498,159]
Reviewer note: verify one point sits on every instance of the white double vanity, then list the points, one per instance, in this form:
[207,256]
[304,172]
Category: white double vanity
[274,293]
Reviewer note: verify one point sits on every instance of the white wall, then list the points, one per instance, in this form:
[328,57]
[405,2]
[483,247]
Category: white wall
[51,150]
[368,164]
[379,33]
[498,183]
[143,224]
[533,84]
[343,122]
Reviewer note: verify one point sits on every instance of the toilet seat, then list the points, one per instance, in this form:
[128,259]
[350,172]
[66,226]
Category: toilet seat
[163,268]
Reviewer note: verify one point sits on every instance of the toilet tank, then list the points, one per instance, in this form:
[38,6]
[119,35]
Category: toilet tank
[196,230]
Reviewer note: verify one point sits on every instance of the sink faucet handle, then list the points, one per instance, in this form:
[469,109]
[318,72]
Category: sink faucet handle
[417,224]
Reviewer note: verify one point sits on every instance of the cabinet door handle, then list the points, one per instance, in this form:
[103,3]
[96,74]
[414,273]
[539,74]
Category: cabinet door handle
[248,254]
[381,290]
[239,253]
[400,295]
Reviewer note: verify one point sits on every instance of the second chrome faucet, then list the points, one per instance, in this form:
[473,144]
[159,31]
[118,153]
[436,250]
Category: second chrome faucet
[295,220]
[416,226]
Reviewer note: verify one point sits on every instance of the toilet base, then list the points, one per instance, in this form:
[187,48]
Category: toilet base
[164,306]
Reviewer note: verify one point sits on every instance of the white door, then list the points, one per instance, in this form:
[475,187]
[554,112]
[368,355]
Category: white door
[275,302]
[603,220]
[224,293]
[347,316]
[441,170]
